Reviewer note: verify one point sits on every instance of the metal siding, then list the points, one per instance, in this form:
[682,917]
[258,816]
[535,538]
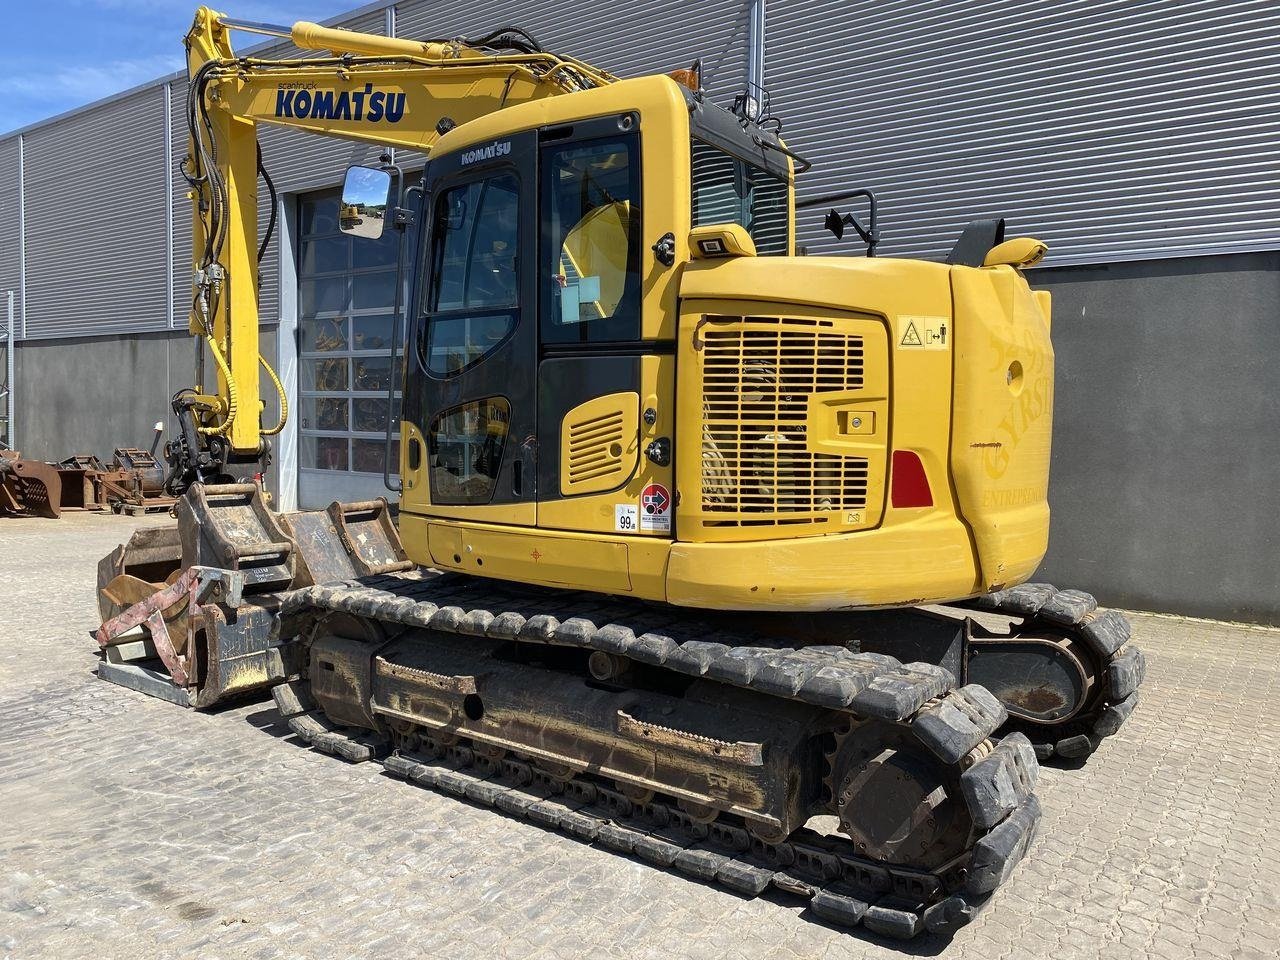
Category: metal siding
[1112,129]
[181,214]
[96,227]
[10,240]
[631,40]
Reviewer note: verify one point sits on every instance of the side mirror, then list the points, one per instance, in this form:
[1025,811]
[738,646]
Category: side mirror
[366,195]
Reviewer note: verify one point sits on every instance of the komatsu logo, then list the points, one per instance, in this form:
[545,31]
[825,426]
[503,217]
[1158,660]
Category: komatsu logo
[304,102]
[491,152]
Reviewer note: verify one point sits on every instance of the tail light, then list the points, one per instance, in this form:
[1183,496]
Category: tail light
[909,487]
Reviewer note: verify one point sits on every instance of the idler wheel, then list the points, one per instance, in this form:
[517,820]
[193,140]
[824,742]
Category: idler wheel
[896,801]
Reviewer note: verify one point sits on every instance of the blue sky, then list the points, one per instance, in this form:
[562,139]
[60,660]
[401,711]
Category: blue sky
[61,54]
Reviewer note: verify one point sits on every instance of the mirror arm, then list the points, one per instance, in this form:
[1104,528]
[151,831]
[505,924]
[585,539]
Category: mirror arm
[870,234]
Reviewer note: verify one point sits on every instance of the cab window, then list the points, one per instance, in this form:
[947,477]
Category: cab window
[729,190]
[590,257]
[472,294]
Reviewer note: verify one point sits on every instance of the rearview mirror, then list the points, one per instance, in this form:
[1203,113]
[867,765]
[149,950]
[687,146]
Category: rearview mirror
[366,193]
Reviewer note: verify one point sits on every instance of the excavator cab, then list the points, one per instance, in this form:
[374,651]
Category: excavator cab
[619,378]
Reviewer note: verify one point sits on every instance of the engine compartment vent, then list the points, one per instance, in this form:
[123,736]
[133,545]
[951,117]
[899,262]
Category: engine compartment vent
[599,443]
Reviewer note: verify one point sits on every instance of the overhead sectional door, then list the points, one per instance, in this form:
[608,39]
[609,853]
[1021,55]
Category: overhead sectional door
[1113,129]
[346,291]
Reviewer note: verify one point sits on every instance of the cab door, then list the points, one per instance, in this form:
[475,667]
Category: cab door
[475,349]
[599,377]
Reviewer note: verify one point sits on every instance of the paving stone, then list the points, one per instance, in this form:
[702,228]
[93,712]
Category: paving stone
[130,827]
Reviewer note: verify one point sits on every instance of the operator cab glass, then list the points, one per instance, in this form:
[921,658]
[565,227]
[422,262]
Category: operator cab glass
[473,291]
[728,189]
[590,253]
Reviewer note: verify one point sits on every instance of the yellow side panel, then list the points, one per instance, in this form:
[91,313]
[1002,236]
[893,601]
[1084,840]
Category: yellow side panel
[599,443]
[603,511]
[552,558]
[1003,420]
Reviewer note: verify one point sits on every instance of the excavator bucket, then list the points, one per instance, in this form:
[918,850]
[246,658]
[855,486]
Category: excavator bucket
[193,613]
[29,486]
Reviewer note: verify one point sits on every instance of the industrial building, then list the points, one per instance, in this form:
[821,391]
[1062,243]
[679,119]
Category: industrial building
[1139,138]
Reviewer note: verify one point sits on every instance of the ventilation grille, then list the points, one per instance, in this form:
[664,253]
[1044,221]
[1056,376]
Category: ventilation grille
[758,375]
[596,447]
[599,443]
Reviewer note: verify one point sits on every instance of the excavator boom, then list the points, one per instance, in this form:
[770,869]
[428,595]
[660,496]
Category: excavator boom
[381,90]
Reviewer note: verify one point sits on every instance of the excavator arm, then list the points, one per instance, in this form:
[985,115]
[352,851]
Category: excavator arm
[381,90]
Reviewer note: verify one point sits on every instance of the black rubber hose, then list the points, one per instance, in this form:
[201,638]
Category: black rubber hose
[271,218]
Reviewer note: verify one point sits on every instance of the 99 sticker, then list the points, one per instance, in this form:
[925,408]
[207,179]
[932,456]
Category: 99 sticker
[626,517]
[655,508]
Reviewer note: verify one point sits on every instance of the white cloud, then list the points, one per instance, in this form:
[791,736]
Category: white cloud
[82,84]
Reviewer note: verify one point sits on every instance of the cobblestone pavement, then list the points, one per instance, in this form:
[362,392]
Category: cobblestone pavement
[132,828]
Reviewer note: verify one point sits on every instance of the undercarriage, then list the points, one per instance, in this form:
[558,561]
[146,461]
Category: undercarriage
[849,759]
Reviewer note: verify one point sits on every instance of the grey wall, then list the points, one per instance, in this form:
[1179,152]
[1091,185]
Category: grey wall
[1166,444]
[93,394]
[1113,129]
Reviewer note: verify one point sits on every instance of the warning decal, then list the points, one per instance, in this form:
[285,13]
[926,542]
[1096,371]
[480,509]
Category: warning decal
[655,508]
[924,333]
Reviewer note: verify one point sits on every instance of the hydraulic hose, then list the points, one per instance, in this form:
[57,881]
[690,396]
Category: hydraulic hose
[284,400]
[233,394]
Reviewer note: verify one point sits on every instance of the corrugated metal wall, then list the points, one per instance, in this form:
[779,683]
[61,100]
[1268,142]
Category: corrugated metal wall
[1113,129]
[10,244]
[182,285]
[627,39]
[96,221]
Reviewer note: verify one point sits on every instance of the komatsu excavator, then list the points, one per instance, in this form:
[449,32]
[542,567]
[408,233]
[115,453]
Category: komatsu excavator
[707,552]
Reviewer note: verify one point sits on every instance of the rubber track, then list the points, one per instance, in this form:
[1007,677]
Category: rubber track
[842,889]
[1120,666]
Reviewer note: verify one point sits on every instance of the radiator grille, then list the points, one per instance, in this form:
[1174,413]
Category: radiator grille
[596,447]
[758,373]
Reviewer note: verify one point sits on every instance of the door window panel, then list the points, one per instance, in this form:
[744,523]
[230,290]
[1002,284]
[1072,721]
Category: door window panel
[370,414]
[374,291]
[473,250]
[324,413]
[324,295]
[455,343]
[369,456]
[324,255]
[372,373]
[473,293]
[346,297]
[325,453]
[377,253]
[464,446]
[327,375]
[590,259]
[372,333]
[323,335]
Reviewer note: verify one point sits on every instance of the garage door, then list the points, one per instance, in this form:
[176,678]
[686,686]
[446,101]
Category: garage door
[346,299]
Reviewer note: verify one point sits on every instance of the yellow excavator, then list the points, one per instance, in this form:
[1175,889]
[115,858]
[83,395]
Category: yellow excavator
[707,551]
